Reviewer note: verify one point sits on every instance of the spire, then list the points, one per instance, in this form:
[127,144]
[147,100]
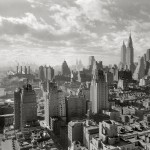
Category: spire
[130,41]
[123,45]
[123,42]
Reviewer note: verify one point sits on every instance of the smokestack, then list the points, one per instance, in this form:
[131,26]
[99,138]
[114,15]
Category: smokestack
[21,70]
[17,70]
[28,69]
[25,69]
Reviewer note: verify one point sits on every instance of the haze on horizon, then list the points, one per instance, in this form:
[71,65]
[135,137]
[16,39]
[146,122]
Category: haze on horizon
[49,32]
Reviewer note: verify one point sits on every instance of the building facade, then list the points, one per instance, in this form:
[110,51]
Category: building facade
[99,92]
[123,54]
[130,55]
[65,69]
[25,106]
[75,107]
[75,132]
[54,102]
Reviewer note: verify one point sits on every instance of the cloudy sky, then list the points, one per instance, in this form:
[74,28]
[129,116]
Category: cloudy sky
[49,31]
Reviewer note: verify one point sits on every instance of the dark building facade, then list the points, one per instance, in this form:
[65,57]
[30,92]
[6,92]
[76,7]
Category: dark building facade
[65,69]
[25,106]
[46,73]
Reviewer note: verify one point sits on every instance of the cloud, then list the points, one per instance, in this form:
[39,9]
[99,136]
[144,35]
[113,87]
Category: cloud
[94,10]
[65,29]
[29,20]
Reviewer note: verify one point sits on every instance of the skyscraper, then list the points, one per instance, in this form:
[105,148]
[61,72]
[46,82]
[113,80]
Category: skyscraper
[123,54]
[17,110]
[139,72]
[65,69]
[91,62]
[130,55]
[25,106]
[41,73]
[28,105]
[148,55]
[54,102]
[46,73]
[50,73]
[97,66]
[99,92]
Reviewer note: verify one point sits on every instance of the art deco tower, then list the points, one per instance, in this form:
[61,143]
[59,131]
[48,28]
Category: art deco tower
[123,54]
[130,55]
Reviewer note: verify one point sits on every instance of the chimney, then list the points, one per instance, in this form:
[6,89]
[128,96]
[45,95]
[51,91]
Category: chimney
[21,70]
[17,70]
[28,69]
[25,69]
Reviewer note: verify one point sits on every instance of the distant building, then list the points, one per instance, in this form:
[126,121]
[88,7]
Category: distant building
[148,55]
[46,73]
[139,72]
[65,69]
[23,73]
[99,92]
[123,54]
[125,75]
[41,73]
[91,62]
[130,55]
[79,65]
[109,77]
[84,76]
[97,66]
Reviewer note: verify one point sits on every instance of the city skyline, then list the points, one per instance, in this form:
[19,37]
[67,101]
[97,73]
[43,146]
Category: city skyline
[48,32]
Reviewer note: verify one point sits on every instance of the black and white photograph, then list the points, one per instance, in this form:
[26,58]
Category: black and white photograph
[74,74]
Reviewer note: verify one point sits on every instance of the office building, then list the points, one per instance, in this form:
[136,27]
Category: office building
[91,62]
[25,106]
[46,73]
[75,107]
[41,73]
[130,55]
[99,92]
[17,109]
[54,102]
[65,69]
[148,55]
[139,72]
[75,132]
[123,54]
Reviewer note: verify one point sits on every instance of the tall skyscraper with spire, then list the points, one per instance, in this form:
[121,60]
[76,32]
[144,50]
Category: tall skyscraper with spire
[130,55]
[123,54]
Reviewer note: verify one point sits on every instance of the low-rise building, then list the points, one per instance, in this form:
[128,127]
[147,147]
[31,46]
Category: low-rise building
[75,132]
[90,130]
